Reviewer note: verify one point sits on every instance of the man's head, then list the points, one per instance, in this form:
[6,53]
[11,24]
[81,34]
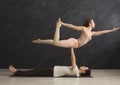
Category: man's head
[84,71]
[89,23]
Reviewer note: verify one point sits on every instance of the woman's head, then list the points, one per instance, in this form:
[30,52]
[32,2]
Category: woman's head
[84,71]
[89,23]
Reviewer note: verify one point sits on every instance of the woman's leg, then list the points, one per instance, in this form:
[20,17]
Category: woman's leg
[39,41]
[35,72]
[57,34]
[51,41]
[71,42]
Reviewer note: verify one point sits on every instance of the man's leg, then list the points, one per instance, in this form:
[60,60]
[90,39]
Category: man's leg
[35,72]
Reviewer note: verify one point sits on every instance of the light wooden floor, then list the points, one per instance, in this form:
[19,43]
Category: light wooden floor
[100,77]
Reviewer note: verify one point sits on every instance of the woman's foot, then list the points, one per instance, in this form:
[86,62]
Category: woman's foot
[58,24]
[12,69]
[38,41]
[59,20]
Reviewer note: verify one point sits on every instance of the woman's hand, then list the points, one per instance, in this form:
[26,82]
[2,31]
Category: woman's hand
[114,29]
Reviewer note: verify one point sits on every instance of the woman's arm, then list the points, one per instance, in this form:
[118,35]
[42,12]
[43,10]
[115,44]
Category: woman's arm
[73,58]
[104,32]
[71,25]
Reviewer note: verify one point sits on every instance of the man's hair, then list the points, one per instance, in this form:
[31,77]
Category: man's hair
[87,73]
[86,23]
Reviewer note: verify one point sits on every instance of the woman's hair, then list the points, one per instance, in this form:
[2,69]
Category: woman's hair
[86,23]
[87,73]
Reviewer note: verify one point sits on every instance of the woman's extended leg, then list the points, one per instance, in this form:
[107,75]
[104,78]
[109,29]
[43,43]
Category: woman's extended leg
[40,41]
[51,41]
[71,42]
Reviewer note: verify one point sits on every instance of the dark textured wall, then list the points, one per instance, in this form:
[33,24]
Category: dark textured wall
[21,21]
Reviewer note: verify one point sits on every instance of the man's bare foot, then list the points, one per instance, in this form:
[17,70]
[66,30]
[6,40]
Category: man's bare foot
[12,69]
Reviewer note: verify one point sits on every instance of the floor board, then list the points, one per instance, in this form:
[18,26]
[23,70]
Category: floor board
[100,77]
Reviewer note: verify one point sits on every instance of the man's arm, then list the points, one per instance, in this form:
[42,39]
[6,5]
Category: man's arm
[73,58]
[71,26]
[103,32]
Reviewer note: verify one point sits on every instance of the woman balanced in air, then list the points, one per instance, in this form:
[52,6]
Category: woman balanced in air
[85,37]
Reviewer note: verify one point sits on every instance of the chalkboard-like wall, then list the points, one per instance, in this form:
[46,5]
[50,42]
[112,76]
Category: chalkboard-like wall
[21,21]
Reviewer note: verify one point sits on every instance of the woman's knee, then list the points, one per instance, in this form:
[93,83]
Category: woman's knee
[56,43]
